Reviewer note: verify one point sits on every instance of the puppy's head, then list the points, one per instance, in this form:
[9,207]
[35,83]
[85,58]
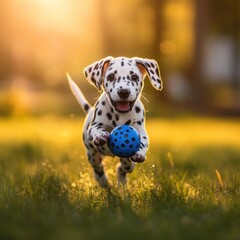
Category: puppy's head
[122,79]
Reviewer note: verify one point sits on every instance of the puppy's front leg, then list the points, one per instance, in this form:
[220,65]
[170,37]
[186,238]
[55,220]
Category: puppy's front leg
[100,137]
[140,156]
[97,135]
[97,131]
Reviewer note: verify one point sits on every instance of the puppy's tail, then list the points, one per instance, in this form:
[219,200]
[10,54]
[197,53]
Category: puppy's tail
[85,105]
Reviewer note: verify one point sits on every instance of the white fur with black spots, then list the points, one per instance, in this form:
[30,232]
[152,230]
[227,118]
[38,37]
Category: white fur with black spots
[121,82]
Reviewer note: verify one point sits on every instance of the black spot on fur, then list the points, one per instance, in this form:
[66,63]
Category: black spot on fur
[86,107]
[99,112]
[93,80]
[103,103]
[139,122]
[96,66]
[109,116]
[137,109]
[151,71]
[94,116]
[148,65]
[128,122]
[117,117]
[114,123]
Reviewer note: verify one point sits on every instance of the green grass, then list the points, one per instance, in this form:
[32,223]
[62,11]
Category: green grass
[189,187]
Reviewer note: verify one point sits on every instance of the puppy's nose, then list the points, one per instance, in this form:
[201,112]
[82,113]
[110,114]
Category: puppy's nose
[123,93]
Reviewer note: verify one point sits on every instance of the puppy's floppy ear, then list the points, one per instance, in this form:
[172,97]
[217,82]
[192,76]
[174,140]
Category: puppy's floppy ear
[94,73]
[150,67]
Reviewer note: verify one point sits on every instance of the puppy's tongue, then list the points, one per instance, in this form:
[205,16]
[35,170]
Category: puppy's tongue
[122,106]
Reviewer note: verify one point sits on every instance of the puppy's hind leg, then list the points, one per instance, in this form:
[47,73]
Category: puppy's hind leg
[125,166]
[95,159]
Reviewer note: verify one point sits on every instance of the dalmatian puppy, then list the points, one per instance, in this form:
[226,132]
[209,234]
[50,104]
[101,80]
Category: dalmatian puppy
[121,81]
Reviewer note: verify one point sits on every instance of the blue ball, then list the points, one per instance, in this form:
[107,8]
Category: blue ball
[124,141]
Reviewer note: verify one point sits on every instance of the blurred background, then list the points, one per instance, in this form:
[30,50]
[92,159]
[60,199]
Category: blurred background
[196,43]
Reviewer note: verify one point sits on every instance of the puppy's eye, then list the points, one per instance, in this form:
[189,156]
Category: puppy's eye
[111,77]
[134,77]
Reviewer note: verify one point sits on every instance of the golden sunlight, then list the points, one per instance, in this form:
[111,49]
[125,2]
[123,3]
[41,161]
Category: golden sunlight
[179,17]
[62,15]
[168,47]
[44,35]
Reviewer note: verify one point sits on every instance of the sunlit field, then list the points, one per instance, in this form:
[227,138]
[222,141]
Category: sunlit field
[188,188]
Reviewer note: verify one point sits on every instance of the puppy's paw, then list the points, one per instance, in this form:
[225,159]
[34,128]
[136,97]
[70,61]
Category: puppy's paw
[101,138]
[138,157]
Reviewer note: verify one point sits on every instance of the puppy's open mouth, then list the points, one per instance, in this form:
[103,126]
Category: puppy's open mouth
[122,106]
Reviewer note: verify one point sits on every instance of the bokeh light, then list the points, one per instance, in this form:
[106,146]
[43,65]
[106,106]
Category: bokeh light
[41,40]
